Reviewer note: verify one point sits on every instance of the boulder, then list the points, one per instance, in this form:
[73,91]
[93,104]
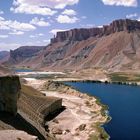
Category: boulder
[82,127]
[56,131]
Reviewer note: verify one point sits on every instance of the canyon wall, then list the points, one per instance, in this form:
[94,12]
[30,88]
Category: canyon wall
[113,47]
[83,33]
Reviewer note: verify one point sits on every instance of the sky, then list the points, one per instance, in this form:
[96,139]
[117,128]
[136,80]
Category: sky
[34,22]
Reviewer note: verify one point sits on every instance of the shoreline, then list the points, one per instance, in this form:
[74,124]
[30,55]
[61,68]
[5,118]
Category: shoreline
[104,110]
[99,81]
[61,77]
[87,102]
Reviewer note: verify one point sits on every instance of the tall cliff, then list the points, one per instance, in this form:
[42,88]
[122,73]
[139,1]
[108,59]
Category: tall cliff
[9,93]
[83,34]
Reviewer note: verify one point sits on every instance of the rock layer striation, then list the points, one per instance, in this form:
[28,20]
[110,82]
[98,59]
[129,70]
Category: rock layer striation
[83,33]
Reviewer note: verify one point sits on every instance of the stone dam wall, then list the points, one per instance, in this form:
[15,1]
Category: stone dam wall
[31,104]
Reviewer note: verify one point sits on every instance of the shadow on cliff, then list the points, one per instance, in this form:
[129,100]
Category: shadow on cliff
[51,116]
[19,123]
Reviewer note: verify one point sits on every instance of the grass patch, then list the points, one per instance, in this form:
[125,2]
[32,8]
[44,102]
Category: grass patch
[93,137]
[124,77]
[118,77]
[101,133]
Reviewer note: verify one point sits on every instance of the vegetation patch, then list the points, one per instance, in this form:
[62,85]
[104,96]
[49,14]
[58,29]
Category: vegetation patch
[124,77]
[101,135]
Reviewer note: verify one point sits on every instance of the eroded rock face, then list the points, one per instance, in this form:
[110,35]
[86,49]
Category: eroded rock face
[83,34]
[9,93]
[24,52]
[114,47]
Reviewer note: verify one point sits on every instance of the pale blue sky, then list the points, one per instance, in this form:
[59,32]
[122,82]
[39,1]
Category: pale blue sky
[34,22]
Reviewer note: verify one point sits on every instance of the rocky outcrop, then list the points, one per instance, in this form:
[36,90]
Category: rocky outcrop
[22,53]
[83,34]
[9,93]
[33,109]
[76,34]
[36,108]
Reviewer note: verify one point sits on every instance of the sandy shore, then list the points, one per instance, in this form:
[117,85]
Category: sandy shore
[80,118]
[39,73]
[77,120]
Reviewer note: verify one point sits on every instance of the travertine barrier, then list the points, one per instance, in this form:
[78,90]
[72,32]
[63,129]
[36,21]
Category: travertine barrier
[9,93]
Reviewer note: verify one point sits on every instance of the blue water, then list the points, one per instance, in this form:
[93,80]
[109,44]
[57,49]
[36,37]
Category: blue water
[124,108]
[23,70]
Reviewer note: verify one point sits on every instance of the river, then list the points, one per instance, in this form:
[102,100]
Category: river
[124,107]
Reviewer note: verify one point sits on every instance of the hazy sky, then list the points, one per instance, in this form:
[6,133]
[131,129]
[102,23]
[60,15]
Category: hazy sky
[34,22]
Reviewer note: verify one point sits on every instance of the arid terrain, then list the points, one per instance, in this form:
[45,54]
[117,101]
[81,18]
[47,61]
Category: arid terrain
[81,116]
[53,110]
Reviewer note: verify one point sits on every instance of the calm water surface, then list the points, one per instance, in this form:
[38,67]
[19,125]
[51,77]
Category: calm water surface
[23,70]
[124,107]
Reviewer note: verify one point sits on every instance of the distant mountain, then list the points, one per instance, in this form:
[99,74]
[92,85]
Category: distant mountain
[4,55]
[113,47]
[23,53]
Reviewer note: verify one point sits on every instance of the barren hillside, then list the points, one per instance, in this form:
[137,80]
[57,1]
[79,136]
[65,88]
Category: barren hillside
[113,47]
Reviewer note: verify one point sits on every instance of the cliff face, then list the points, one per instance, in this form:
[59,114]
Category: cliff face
[22,53]
[113,47]
[83,34]
[9,93]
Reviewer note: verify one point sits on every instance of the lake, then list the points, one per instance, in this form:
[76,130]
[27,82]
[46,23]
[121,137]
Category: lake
[23,70]
[124,107]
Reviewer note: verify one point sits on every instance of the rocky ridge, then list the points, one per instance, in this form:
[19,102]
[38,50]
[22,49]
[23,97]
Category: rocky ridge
[20,54]
[113,47]
[84,33]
